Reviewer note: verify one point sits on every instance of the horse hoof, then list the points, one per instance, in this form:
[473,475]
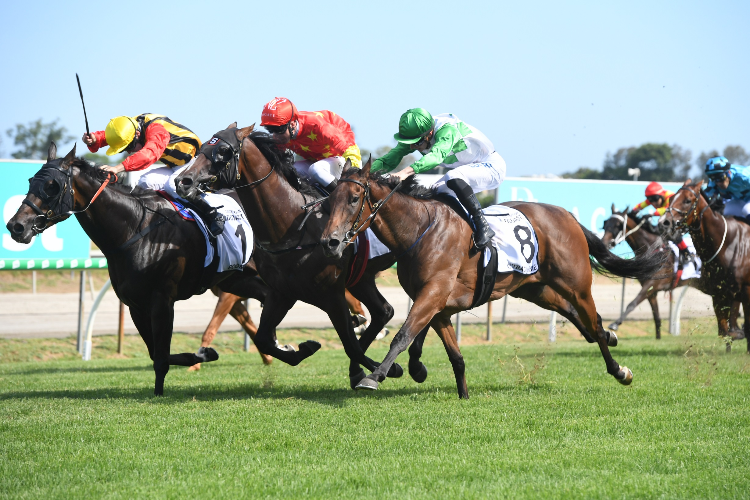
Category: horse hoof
[613,327]
[207,354]
[354,380]
[382,334]
[395,371]
[628,378]
[194,368]
[420,375]
[368,384]
[611,338]
[308,348]
[737,334]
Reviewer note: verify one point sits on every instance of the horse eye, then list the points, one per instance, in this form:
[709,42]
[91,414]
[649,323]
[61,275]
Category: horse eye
[355,198]
[51,189]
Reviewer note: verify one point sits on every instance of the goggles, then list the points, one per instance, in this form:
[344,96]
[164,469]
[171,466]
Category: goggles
[277,129]
[655,198]
[718,176]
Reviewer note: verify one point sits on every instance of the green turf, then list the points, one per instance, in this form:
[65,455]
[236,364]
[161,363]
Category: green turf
[544,420]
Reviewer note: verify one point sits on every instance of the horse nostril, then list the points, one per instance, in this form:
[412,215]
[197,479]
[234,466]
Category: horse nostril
[333,243]
[17,228]
[187,182]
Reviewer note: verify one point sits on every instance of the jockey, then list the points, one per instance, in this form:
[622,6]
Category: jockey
[150,138]
[732,182]
[446,141]
[660,198]
[322,138]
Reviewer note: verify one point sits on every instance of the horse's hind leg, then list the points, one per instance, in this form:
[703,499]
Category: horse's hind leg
[142,322]
[417,369]
[239,313]
[735,331]
[276,306]
[545,297]
[444,328]
[584,304]
[648,287]
[162,320]
[655,310]
[223,306]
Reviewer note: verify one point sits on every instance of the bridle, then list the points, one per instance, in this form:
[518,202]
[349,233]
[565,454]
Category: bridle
[215,150]
[374,208]
[697,217]
[622,235]
[60,201]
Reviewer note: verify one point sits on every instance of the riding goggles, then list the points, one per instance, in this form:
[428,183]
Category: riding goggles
[655,198]
[277,129]
[718,177]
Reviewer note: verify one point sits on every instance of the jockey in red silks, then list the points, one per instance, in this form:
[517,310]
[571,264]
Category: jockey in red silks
[660,198]
[322,138]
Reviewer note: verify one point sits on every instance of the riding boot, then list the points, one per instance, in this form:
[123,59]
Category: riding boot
[210,215]
[482,232]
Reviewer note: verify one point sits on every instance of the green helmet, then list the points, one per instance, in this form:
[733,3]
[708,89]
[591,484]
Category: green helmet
[413,125]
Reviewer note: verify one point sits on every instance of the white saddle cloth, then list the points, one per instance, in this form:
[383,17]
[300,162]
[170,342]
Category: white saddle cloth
[691,269]
[235,244]
[515,240]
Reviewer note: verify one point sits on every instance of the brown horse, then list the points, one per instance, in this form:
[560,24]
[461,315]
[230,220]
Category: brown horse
[438,267]
[154,257]
[722,243]
[287,224]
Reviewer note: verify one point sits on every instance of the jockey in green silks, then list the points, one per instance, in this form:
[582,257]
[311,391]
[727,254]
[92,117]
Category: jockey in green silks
[446,141]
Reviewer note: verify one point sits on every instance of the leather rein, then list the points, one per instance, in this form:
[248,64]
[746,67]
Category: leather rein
[697,217]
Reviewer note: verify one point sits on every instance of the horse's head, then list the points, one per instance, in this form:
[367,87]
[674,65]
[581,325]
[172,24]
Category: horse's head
[683,211]
[217,164]
[615,227]
[50,197]
[350,207]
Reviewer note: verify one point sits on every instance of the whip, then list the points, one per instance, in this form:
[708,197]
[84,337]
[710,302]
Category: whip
[83,104]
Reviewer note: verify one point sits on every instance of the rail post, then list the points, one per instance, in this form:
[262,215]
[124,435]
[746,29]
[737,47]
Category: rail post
[553,326]
[505,307]
[121,329]
[247,335]
[622,298]
[82,291]
[674,324]
[489,321]
[458,327]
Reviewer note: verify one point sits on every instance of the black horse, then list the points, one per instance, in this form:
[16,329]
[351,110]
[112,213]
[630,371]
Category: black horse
[154,256]
[287,223]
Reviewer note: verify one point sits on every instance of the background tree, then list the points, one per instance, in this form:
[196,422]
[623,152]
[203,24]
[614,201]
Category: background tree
[735,154]
[657,162]
[34,138]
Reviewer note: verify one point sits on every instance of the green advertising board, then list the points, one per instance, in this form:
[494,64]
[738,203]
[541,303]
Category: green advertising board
[63,246]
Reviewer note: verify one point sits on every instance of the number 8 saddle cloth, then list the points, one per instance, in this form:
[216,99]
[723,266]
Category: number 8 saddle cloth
[515,240]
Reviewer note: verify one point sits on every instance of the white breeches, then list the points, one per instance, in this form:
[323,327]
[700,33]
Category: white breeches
[480,176]
[162,179]
[740,208]
[324,171]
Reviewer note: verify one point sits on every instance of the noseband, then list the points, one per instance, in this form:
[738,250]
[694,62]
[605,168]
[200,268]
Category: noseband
[622,235]
[697,217]
[228,165]
[374,208]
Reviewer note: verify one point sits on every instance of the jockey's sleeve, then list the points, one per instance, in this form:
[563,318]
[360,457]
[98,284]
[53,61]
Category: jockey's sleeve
[445,138]
[101,141]
[641,205]
[353,154]
[157,139]
[335,137]
[391,159]
[660,211]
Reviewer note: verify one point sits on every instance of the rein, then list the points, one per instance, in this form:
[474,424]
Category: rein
[374,209]
[723,239]
[698,217]
[621,237]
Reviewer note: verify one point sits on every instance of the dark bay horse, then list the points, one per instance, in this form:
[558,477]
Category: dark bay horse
[154,256]
[287,231]
[723,244]
[640,235]
[438,267]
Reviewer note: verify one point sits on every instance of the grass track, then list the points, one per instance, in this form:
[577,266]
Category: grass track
[544,421]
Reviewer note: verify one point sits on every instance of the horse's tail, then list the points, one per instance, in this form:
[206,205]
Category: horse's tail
[607,263]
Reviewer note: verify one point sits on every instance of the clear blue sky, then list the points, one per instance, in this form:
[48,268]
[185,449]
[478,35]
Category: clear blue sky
[555,85]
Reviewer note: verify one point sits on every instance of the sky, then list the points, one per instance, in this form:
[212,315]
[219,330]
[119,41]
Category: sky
[554,85]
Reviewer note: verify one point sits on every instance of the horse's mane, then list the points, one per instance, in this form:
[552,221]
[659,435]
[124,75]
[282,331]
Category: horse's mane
[281,160]
[409,186]
[94,171]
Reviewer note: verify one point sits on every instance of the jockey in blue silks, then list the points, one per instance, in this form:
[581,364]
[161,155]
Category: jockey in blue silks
[732,182]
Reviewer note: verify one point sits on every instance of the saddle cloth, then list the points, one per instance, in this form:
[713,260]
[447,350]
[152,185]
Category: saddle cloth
[693,268]
[515,240]
[377,248]
[235,244]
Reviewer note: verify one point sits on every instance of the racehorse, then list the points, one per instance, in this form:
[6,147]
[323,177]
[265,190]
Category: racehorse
[640,235]
[722,243]
[438,266]
[287,223]
[154,257]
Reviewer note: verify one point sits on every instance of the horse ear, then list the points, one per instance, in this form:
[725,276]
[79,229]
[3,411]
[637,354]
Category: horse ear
[244,132]
[367,167]
[613,208]
[231,125]
[69,157]
[52,152]
[698,186]
[687,181]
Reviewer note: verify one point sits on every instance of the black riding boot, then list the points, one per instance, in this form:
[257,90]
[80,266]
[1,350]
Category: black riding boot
[482,234]
[329,188]
[210,215]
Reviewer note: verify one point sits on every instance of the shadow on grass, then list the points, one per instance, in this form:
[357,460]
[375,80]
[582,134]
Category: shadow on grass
[82,369]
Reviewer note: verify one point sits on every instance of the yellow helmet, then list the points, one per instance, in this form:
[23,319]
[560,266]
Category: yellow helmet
[120,132]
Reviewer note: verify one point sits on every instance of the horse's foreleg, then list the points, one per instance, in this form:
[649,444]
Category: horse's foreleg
[142,322]
[355,306]
[655,310]
[275,309]
[430,300]
[239,312]
[417,369]
[444,328]
[162,321]
[734,329]
[648,287]
[722,308]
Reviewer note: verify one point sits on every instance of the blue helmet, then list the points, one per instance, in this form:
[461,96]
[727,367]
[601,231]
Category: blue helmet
[717,165]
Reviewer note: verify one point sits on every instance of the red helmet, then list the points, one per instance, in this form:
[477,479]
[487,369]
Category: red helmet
[277,112]
[654,189]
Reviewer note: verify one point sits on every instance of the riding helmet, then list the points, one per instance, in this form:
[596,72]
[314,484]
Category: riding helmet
[717,164]
[654,189]
[413,125]
[278,112]
[120,132]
